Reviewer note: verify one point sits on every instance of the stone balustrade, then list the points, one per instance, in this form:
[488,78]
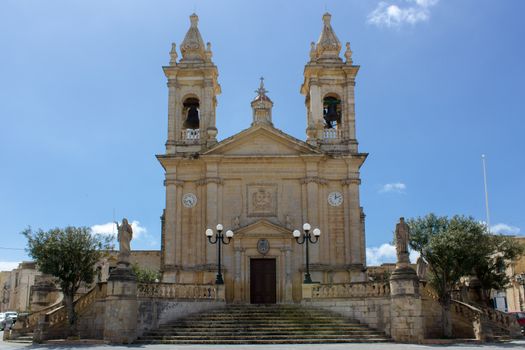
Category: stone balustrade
[351,290]
[177,291]
[332,135]
[191,135]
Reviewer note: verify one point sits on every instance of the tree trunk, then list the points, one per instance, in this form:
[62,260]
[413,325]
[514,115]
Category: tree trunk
[446,319]
[71,315]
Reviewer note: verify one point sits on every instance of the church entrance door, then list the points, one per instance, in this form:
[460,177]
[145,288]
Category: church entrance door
[262,281]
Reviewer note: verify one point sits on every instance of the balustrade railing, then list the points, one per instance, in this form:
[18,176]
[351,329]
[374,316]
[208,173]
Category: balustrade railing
[351,290]
[191,135]
[177,291]
[57,313]
[333,135]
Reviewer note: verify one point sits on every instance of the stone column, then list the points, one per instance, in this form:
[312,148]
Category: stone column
[120,326]
[287,297]
[172,116]
[237,281]
[316,111]
[406,317]
[171,220]
[352,221]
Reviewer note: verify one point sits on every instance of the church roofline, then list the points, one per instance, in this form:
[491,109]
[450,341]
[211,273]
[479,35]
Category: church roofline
[302,144]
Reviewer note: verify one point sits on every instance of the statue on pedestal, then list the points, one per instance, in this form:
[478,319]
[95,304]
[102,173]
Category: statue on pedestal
[402,237]
[125,234]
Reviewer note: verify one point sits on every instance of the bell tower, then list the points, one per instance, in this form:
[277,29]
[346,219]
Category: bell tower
[193,89]
[328,88]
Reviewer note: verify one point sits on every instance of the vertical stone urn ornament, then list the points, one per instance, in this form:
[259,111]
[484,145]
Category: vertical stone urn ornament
[120,326]
[406,316]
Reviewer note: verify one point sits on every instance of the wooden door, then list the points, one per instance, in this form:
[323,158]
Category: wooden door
[262,281]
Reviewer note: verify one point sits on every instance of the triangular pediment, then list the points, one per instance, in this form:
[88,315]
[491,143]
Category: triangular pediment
[261,140]
[263,227]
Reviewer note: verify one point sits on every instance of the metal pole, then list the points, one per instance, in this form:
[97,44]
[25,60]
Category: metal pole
[219,279]
[486,191]
[307,278]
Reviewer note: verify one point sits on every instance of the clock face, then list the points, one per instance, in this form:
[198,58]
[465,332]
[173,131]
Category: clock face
[189,200]
[335,199]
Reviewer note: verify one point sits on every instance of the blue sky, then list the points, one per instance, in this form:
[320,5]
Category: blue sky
[83,104]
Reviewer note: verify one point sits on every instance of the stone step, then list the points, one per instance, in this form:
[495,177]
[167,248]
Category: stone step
[273,324]
[265,341]
[259,332]
[307,325]
[258,337]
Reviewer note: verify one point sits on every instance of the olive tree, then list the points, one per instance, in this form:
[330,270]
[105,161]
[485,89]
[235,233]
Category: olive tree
[449,247]
[70,255]
[460,247]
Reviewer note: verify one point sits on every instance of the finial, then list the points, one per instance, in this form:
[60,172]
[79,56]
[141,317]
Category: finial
[261,91]
[326,18]
[194,19]
[348,53]
[312,51]
[173,54]
[208,52]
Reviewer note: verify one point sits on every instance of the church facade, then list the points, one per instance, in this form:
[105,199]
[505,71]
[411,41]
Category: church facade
[262,183]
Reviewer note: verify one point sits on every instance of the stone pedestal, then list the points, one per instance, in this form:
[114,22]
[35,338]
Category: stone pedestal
[406,318]
[120,325]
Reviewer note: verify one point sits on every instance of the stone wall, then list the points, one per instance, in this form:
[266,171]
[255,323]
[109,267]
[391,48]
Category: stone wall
[375,312]
[153,312]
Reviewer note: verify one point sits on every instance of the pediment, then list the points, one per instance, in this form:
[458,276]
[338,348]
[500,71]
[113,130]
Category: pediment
[261,141]
[265,228]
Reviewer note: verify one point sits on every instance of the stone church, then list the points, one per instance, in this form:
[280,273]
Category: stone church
[262,183]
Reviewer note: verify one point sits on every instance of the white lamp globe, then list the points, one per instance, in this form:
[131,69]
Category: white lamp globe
[209,232]
[307,227]
[220,227]
[229,234]
[317,232]
[296,233]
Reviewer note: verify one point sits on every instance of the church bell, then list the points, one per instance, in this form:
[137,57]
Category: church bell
[331,115]
[192,120]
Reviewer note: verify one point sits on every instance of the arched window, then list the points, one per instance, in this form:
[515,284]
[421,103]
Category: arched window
[191,113]
[332,111]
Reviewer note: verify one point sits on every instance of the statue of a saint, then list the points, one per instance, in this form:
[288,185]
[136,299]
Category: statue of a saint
[125,234]
[402,237]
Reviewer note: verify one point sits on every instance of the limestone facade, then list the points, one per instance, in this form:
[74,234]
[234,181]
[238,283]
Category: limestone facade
[262,183]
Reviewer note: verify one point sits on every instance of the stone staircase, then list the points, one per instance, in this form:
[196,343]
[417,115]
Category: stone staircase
[263,324]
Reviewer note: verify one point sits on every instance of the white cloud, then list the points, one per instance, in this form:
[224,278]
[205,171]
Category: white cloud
[396,187]
[396,13]
[8,265]
[110,229]
[504,229]
[386,253]
[375,256]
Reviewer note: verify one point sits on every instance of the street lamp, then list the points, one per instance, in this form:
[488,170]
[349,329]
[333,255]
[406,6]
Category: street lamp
[219,238]
[307,238]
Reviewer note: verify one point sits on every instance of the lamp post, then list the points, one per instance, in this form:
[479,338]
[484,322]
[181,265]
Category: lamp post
[307,238]
[219,238]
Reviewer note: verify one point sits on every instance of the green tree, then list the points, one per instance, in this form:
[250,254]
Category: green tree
[145,275]
[70,255]
[493,256]
[449,246]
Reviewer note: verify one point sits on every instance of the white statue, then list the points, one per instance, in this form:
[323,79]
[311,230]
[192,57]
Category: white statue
[125,234]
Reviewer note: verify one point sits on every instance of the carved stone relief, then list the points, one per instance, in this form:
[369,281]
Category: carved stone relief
[262,200]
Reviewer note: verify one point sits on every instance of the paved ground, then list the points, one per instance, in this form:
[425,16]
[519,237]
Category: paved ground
[518,345]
